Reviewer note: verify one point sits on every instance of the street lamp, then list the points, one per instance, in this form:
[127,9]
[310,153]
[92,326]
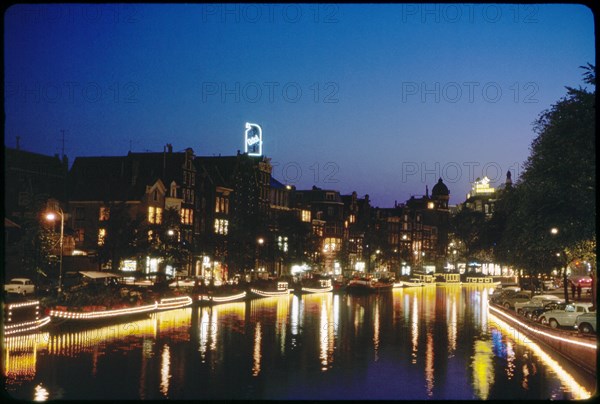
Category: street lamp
[259,242]
[554,232]
[51,216]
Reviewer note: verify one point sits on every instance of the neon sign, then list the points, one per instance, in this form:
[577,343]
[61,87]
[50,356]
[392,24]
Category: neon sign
[253,139]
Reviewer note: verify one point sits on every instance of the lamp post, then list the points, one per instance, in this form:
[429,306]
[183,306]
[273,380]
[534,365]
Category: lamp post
[259,243]
[51,217]
[554,232]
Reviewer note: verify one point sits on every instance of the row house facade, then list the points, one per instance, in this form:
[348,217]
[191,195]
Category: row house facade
[413,235]
[329,225]
[234,208]
[152,193]
[217,216]
[357,213]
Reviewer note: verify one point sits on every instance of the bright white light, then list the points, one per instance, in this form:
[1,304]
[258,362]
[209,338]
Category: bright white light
[51,216]
[253,142]
[41,394]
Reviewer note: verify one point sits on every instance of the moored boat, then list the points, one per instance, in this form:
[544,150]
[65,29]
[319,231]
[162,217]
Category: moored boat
[412,282]
[89,314]
[447,279]
[368,285]
[315,285]
[481,280]
[222,296]
[23,317]
[270,288]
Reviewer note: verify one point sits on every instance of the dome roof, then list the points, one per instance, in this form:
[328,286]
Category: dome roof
[440,189]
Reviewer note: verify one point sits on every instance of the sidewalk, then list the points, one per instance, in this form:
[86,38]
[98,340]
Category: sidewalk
[585,296]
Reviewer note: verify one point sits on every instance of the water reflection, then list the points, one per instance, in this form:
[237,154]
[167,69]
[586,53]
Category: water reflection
[452,326]
[429,370]
[256,355]
[41,394]
[415,329]
[483,368]
[376,330]
[165,370]
[567,381]
[306,347]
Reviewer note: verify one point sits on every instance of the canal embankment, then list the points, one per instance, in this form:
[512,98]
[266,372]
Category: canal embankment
[580,350]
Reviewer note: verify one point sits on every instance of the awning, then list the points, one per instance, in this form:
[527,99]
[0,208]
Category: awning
[98,274]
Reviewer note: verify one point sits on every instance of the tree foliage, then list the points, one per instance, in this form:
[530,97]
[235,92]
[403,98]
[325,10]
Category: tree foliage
[557,188]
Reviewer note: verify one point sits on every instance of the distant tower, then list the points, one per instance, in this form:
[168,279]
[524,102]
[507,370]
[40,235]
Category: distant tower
[508,179]
[441,193]
[426,191]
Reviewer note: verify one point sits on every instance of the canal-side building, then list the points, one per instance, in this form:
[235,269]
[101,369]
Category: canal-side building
[328,225]
[234,210]
[110,198]
[357,222]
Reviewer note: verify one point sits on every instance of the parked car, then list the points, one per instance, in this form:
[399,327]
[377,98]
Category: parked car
[565,318]
[501,294]
[21,286]
[586,322]
[535,313]
[509,301]
[536,301]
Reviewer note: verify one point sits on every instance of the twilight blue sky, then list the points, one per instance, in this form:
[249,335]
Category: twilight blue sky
[380,99]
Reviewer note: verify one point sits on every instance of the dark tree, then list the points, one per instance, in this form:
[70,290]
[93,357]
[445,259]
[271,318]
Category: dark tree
[557,188]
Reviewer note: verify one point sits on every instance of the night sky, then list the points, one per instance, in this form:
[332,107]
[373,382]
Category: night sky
[377,99]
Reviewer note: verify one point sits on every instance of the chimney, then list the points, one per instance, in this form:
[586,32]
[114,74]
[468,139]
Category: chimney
[170,147]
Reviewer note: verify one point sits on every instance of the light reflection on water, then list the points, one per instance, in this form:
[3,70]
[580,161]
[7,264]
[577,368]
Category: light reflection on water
[416,343]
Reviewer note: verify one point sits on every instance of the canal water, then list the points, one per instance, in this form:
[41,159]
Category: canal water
[418,343]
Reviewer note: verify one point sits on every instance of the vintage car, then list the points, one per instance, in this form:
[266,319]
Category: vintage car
[509,301]
[586,322]
[567,317]
[535,302]
[535,314]
[21,286]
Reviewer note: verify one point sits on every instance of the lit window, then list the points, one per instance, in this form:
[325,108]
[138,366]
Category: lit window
[430,205]
[154,215]
[150,235]
[331,244]
[352,218]
[306,215]
[218,204]
[101,236]
[186,216]
[282,243]
[221,226]
[104,213]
